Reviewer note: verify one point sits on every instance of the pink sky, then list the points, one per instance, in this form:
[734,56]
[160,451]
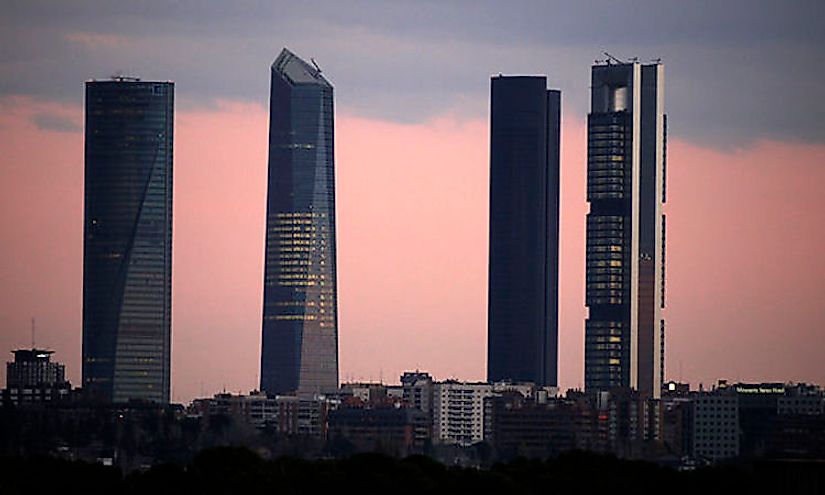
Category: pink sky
[746,279]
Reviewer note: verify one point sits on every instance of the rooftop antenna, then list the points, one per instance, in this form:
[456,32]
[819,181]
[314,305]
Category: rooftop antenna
[32,333]
[120,76]
[612,58]
[315,64]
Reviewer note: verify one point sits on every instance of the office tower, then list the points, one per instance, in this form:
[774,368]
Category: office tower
[127,244]
[522,325]
[299,351]
[624,333]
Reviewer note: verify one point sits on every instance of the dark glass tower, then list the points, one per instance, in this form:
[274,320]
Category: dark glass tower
[624,333]
[127,248]
[299,352]
[522,333]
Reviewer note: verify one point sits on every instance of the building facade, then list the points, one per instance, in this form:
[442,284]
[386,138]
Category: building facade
[284,415]
[390,430]
[417,391]
[715,425]
[515,425]
[624,290]
[34,377]
[300,325]
[127,248]
[33,367]
[458,412]
[522,328]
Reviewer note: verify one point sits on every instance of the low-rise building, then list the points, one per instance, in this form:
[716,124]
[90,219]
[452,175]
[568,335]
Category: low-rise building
[33,377]
[458,412]
[389,430]
[285,414]
[417,391]
[715,424]
[519,426]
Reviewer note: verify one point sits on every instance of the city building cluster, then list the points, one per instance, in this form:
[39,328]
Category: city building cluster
[122,415]
[467,423]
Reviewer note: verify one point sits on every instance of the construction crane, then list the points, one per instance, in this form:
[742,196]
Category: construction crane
[611,58]
[315,64]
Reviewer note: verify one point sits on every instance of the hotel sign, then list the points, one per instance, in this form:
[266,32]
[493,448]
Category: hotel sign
[760,390]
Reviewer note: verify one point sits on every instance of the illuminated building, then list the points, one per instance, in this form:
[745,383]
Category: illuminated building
[624,332]
[522,324]
[299,351]
[127,250]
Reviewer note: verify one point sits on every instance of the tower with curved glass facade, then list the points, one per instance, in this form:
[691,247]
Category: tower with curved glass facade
[299,351]
[625,267]
[127,243]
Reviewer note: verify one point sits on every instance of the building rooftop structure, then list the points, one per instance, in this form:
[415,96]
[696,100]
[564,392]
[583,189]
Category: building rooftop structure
[297,71]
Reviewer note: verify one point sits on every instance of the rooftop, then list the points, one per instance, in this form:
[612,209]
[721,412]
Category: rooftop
[33,354]
[297,71]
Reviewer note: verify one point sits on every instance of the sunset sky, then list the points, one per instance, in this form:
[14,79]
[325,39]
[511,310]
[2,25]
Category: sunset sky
[745,98]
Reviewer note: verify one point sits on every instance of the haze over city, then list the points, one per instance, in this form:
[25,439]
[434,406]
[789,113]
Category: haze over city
[746,147]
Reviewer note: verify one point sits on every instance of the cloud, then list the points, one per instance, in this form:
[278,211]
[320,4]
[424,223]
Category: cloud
[54,122]
[96,40]
[737,71]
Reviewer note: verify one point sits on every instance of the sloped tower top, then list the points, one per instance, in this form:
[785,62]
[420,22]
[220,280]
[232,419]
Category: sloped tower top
[297,71]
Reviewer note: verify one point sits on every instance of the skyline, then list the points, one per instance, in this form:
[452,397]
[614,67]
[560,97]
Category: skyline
[783,295]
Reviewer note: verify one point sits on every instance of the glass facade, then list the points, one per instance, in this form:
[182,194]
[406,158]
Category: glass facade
[624,285]
[522,316]
[299,352]
[127,250]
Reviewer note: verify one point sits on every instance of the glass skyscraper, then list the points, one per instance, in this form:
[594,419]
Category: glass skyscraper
[626,131]
[522,333]
[299,352]
[127,244]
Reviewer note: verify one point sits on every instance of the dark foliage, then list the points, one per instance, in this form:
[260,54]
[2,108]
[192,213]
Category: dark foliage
[234,470]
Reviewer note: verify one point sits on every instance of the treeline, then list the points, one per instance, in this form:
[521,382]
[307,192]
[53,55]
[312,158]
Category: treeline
[230,470]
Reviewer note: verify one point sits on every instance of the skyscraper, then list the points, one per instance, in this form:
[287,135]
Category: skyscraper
[624,332]
[299,352]
[127,244]
[522,326]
